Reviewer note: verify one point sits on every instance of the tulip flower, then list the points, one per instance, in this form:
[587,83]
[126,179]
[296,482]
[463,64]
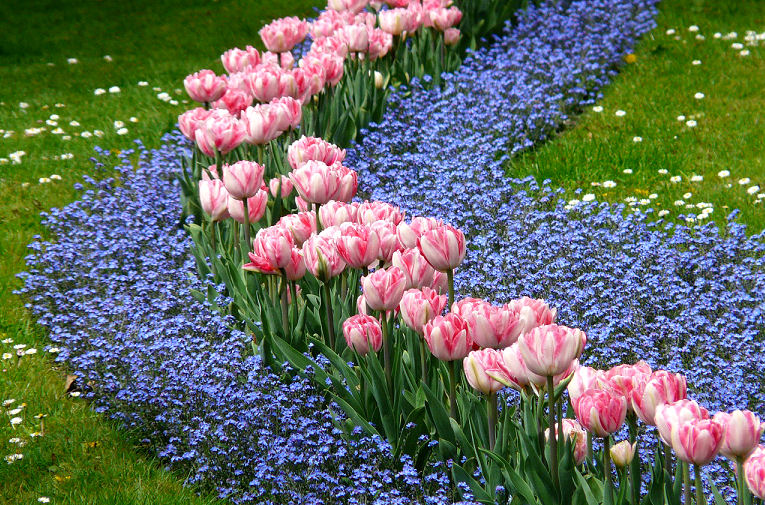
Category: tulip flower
[369,212]
[601,412]
[511,369]
[576,434]
[362,333]
[274,245]
[380,43]
[355,36]
[322,258]
[353,6]
[220,132]
[204,86]
[585,378]
[670,416]
[280,187]
[334,213]
[443,19]
[283,34]
[452,36]
[263,83]
[449,340]
[394,21]
[383,289]
[660,388]
[306,149]
[214,199]
[234,101]
[443,247]
[348,184]
[261,124]
[289,112]
[420,306]
[315,182]
[417,270]
[302,226]
[239,60]
[189,121]
[388,240]
[256,207]
[742,430]
[243,179]
[533,313]
[623,453]
[549,350]
[698,441]
[476,313]
[475,366]
[358,245]
[754,472]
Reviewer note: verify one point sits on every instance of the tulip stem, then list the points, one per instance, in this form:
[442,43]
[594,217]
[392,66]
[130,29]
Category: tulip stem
[330,317]
[424,360]
[453,389]
[285,307]
[318,219]
[246,226]
[740,481]
[635,476]
[386,351]
[491,411]
[686,482]
[218,164]
[590,452]
[667,458]
[700,498]
[450,279]
[607,468]
[540,431]
[552,427]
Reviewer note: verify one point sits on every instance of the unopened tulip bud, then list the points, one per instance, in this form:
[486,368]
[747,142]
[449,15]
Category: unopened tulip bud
[379,80]
[622,453]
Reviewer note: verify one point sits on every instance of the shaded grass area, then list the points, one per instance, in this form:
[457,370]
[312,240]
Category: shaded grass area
[654,90]
[82,457]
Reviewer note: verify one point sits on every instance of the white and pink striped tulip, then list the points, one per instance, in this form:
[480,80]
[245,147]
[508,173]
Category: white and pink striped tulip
[550,349]
[362,333]
[443,247]
[219,132]
[380,43]
[307,149]
[476,365]
[370,212]
[353,6]
[283,34]
[302,225]
[754,472]
[239,60]
[334,213]
[408,233]
[698,441]
[388,239]
[670,416]
[256,207]
[356,37]
[394,21]
[447,337]
[601,412]
[315,182]
[660,388]
[584,378]
[189,121]
[204,86]
[214,199]
[442,19]
[321,258]
[623,379]
[358,245]
[243,179]
[289,112]
[742,430]
[420,306]
[452,36]
[417,270]
[280,186]
[384,288]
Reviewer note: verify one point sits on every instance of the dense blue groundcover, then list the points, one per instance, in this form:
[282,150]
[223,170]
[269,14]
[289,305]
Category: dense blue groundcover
[690,300]
[114,288]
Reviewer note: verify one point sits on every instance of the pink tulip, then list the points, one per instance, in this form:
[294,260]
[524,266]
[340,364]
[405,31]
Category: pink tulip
[585,378]
[315,182]
[348,183]
[331,232]
[204,86]
[670,416]
[698,441]
[394,21]
[347,5]
[452,36]
[355,36]
[333,66]
[447,337]
[443,247]
[549,350]
[742,430]
[623,379]
[386,231]
[370,212]
[295,269]
[358,245]
[307,149]
[445,18]
[289,112]
[420,306]
[288,86]
[283,34]
[256,207]
[660,388]
[334,213]
[476,313]
[576,435]
[239,60]
[754,472]
[214,199]
[623,453]
[408,233]
[234,101]
[506,325]
[511,369]
[440,282]
[417,270]
[380,43]
[331,46]
[321,258]
[301,225]
[362,332]
[280,186]
[326,23]
[416,17]
[243,179]
[302,205]
[384,288]
[263,82]
[533,312]
[475,366]
[189,121]
[601,412]
[220,131]
[272,251]
[261,124]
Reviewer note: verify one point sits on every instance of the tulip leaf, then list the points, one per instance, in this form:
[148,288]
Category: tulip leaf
[439,416]
[480,494]
[585,487]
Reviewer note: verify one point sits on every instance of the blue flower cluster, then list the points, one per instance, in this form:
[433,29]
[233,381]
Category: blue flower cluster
[114,291]
[689,300]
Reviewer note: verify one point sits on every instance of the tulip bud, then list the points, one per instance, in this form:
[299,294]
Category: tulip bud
[576,434]
[452,36]
[256,207]
[280,186]
[363,332]
[243,179]
[742,430]
[214,199]
[379,80]
[475,366]
[622,453]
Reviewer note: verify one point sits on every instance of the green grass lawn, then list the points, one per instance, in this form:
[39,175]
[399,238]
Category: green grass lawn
[648,148]
[83,458]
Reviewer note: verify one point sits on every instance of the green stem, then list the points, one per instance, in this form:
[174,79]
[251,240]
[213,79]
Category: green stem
[330,318]
[285,307]
[491,411]
[450,279]
[635,474]
[386,351]
[590,452]
[667,458]
[686,482]
[700,498]
[743,491]
[424,360]
[212,245]
[553,436]
[453,389]
[318,219]
[540,430]
[246,226]
[607,467]
[219,163]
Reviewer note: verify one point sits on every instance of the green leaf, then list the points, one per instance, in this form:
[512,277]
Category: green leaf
[585,487]
[480,494]
[439,416]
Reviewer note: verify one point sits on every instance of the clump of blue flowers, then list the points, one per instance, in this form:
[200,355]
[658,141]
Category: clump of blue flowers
[114,291]
[691,300]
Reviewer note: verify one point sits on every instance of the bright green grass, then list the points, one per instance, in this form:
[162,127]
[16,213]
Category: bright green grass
[83,458]
[654,91]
